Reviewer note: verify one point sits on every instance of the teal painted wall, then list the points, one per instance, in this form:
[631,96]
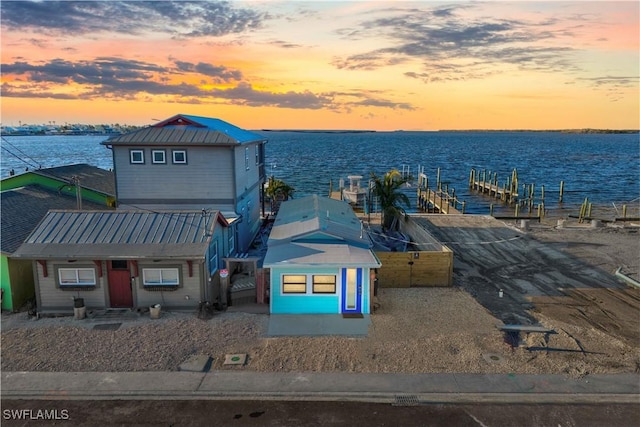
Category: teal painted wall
[310,303]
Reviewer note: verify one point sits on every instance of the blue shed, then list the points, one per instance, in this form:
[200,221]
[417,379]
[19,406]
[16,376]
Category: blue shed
[320,259]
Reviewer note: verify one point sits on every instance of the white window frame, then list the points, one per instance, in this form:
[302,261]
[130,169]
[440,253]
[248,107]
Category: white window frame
[162,161]
[78,281]
[162,282]
[246,158]
[257,154]
[132,160]
[179,162]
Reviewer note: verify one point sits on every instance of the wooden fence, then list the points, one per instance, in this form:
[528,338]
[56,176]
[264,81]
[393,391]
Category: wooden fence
[415,269]
[431,264]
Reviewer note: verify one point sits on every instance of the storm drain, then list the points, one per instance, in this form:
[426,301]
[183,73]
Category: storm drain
[406,400]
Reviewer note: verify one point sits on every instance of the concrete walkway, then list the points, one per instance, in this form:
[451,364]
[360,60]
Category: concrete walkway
[317,325]
[403,389]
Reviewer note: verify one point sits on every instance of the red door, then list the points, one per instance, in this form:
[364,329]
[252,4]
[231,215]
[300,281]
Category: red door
[120,293]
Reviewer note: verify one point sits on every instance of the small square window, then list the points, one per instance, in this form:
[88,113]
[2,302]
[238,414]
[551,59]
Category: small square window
[158,156]
[179,157]
[136,156]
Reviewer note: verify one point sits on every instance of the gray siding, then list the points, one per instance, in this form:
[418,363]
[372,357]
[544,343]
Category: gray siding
[208,175]
[52,298]
[190,286]
[245,178]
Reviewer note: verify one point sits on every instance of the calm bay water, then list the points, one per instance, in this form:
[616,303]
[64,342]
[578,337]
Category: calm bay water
[603,167]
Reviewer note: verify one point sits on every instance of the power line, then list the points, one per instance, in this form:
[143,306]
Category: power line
[488,242]
[35,164]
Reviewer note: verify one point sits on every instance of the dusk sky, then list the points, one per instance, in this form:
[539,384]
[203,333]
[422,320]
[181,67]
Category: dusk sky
[375,65]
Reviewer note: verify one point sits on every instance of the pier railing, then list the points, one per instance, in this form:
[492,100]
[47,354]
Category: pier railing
[441,199]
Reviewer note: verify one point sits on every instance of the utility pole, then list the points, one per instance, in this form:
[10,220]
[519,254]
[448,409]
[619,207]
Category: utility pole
[76,182]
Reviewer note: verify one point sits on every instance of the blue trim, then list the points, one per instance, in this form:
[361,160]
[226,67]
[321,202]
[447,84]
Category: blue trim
[358,307]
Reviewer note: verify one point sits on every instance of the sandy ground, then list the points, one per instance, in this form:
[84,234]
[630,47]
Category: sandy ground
[414,330]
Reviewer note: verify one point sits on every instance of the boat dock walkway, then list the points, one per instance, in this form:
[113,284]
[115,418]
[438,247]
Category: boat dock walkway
[438,201]
[503,193]
[508,192]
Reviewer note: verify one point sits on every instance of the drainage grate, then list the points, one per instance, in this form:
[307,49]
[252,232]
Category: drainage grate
[406,400]
[107,326]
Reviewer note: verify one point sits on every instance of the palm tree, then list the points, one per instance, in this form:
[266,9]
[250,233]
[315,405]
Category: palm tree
[387,189]
[278,191]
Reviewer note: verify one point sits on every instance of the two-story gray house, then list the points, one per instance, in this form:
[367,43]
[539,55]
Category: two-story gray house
[189,162]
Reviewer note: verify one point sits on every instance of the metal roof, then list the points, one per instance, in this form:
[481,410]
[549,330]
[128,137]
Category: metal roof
[23,208]
[187,130]
[121,234]
[320,254]
[318,231]
[316,216]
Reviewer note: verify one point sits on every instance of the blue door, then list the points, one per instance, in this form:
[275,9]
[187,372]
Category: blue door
[352,290]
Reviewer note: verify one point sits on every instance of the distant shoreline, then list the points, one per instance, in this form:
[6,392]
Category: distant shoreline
[318,130]
[578,131]
[344,131]
[598,131]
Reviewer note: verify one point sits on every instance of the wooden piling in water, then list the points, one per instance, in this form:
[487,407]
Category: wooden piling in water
[439,200]
[561,191]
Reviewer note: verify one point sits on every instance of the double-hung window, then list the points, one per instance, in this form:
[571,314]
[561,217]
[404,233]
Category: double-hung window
[246,158]
[324,284]
[294,284]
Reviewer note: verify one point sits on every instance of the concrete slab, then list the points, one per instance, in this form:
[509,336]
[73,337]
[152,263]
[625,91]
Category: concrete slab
[197,363]
[512,264]
[84,383]
[474,388]
[317,325]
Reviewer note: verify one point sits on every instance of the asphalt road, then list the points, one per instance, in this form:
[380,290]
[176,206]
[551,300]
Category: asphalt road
[305,413]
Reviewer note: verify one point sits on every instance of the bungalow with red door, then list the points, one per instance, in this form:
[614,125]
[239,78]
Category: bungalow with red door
[126,259]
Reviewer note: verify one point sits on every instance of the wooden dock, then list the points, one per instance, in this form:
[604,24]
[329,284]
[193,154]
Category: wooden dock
[507,192]
[503,193]
[438,201]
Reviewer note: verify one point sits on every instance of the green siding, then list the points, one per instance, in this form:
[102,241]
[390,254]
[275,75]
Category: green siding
[25,179]
[17,282]
[7,300]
